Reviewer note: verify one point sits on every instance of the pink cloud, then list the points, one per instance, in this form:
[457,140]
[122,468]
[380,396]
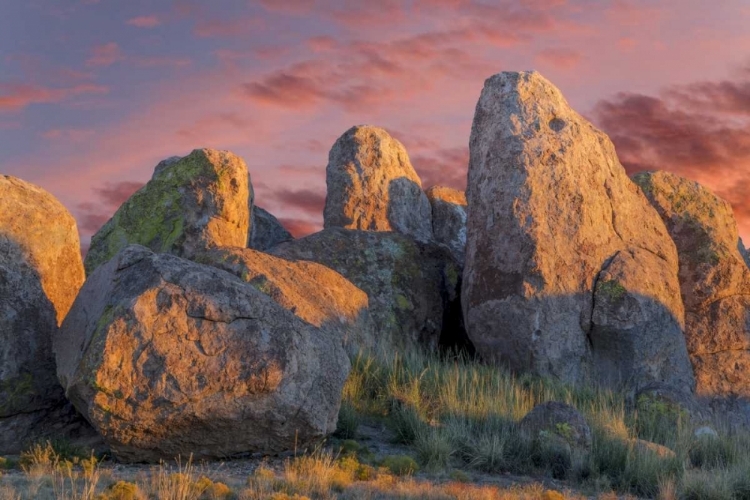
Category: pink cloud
[105,55]
[700,130]
[19,96]
[144,22]
[561,58]
[73,135]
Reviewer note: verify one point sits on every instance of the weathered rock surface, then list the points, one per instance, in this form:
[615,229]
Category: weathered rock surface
[314,293]
[558,419]
[40,274]
[265,230]
[449,219]
[569,271]
[412,287]
[165,356]
[372,186]
[714,279]
[192,203]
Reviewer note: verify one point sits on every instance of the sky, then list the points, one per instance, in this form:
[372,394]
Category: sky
[94,93]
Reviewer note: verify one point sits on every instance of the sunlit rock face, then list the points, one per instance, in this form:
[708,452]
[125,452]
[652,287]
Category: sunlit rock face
[265,230]
[314,293]
[714,279]
[412,286]
[190,204]
[168,357]
[569,271]
[449,219]
[40,274]
[372,186]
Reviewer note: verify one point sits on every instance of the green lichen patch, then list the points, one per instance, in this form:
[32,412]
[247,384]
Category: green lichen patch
[154,215]
[612,290]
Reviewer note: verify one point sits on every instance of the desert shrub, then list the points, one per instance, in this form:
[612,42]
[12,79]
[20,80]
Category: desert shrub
[348,422]
[710,452]
[400,465]
[122,490]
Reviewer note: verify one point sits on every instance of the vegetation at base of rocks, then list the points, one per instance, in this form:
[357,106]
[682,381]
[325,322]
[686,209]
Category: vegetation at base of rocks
[457,421]
[457,413]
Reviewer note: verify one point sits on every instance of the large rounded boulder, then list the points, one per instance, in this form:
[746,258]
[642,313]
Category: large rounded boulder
[412,286]
[168,357]
[40,274]
[190,204]
[569,271]
[372,186]
[449,219]
[714,279]
[314,293]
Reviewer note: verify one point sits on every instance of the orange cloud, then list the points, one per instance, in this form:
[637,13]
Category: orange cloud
[144,22]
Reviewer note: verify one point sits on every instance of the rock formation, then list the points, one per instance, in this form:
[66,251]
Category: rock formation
[165,356]
[192,203]
[312,292]
[714,279]
[40,274]
[569,271]
[372,186]
[449,219]
[265,230]
[412,287]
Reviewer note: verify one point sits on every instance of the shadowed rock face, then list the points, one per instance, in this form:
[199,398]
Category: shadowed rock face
[40,274]
[714,279]
[569,271]
[449,219]
[372,186]
[410,285]
[165,356]
[265,230]
[190,204]
[314,293]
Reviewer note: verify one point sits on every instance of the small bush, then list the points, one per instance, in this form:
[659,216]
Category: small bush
[400,465]
[122,490]
[460,476]
[346,427]
[709,452]
[434,448]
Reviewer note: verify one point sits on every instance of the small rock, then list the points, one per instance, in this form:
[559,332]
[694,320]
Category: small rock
[266,231]
[449,219]
[706,432]
[558,419]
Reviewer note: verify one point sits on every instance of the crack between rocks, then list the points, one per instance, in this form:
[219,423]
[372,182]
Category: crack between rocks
[708,304]
[604,267]
[236,318]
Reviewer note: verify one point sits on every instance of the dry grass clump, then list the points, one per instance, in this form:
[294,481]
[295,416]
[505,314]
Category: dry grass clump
[456,412]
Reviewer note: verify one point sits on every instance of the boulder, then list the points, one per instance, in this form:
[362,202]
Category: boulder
[569,271]
[265,230]
[190,204]
[314,293]
[40,274]
[372,186]
[168,357]
[449,219]
[412,287]
[714,279]
[560,420]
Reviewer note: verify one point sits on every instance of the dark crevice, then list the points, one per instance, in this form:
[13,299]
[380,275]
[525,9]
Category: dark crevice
[594,285]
